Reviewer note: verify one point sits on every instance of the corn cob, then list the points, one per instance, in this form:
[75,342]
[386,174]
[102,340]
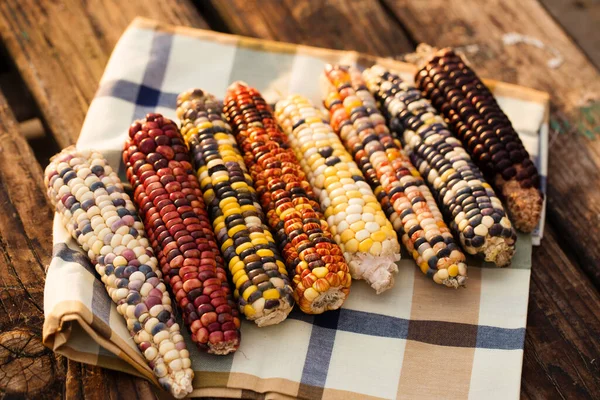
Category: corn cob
[97,213]
[486,133]
[467,200]
[321,280]
[359,226]
[263,289]
[170,201]
[362,128]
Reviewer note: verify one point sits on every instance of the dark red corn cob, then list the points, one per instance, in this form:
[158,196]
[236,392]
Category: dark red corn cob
[321,280]
[171,206]
[486,132]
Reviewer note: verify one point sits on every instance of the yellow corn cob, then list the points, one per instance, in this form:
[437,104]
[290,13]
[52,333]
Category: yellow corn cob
[359,226]
[362,128]
[262,285]
[321,279]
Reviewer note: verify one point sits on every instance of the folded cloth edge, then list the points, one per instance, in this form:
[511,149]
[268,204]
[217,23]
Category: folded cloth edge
[59,325]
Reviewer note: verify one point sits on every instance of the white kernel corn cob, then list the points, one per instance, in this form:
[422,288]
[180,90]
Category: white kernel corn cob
[97,213]
[355,217]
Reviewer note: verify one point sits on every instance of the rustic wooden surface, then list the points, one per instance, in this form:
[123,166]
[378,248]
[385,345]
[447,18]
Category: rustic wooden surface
[60,50]
[580,19]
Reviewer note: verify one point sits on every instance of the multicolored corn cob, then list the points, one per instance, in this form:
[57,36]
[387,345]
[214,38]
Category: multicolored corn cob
[321,279]
[170,202]
[97,213]
[263,288]
[486,133]
[358,224]
[355,118]
[467,200]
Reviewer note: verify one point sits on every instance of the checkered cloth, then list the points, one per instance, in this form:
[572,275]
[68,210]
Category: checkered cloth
[418,340]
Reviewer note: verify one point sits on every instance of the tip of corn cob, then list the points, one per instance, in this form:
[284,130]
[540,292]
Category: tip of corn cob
[498,250]
[223,348]
[331,299]
[278,315]
[452,275]
[178,383]
[377,271]
[524,204]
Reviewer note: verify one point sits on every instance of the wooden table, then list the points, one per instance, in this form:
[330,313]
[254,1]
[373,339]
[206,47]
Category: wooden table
[54,55]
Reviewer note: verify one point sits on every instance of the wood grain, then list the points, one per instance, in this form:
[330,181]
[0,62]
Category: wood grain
[574,176]
[61,48]
[27,368]
[562,346]
[339,24]
[580,19]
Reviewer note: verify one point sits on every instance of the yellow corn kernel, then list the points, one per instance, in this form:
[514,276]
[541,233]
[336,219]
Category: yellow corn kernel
[240,273]
[347,235]
[226,201]
[375,249]
[320,272]
[379,236]
[241,279]
[358,226]
[242,247]
[226,244]
[249,291]
[351,245]
[365,245]
[238,228]
[238,185]
[453,270]
[310,294]
[249,311]
[265,252]
[271,294]
[259,241]
[236,265]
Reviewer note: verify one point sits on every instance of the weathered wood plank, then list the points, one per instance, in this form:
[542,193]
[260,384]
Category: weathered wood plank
[27,368]
[61,48]
[573,197]
[562,347]
[580,19]
[339,24]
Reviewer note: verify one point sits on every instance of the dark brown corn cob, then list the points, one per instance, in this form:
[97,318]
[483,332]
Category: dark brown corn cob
[475,213]
[486,132]
[170,202]
[355,118]
[320,275]
[263,288]
[89,197]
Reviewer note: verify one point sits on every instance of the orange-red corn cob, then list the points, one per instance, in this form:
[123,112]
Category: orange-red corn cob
[320,275]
